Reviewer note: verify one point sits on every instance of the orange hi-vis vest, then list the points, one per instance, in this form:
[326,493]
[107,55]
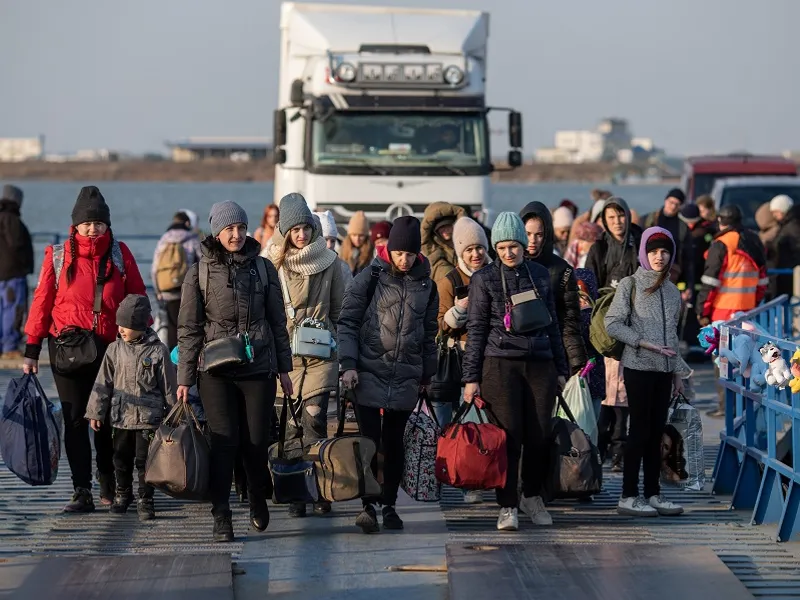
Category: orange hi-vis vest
[738,281]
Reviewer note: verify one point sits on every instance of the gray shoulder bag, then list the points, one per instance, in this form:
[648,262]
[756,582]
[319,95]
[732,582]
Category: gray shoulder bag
[310,338]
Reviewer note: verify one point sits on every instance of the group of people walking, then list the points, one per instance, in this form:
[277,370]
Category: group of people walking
[386,297]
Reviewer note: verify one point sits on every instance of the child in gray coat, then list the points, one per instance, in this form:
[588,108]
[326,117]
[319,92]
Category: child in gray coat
[136,381]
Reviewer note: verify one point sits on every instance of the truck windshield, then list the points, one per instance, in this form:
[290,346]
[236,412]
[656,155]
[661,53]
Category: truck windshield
[749,197]
[446,144]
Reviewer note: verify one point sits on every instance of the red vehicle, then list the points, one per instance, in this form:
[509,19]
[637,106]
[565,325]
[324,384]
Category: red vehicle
[701,172]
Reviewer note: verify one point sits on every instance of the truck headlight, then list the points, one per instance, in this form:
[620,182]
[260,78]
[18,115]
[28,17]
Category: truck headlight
[346,72]
[453,75]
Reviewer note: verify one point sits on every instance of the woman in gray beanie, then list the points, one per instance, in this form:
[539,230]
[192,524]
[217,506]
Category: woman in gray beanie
[313,287]
[233,294]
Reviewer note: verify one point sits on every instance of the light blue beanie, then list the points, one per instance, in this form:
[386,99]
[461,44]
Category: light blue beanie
[508,227]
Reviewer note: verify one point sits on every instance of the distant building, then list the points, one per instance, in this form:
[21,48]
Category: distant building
[233,148]
[611,141]
[616,137]
[20,149]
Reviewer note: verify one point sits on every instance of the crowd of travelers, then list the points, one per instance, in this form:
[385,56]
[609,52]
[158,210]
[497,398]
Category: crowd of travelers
[388,293]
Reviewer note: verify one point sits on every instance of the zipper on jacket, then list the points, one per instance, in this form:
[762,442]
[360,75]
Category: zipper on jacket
[397,343]
[663,321]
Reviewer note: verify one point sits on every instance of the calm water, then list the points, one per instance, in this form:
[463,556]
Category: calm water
[147,208]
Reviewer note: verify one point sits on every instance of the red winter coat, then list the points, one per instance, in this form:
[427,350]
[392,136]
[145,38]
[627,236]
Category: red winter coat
[71,304]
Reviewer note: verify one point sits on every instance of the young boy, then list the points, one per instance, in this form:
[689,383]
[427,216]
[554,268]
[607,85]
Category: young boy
[136,381]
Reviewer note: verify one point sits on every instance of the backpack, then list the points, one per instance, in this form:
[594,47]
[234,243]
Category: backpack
[598,336]
[58,259]
[171,268]
[576,470]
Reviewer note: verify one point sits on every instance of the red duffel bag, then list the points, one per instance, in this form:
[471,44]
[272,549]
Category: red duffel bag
[472,456]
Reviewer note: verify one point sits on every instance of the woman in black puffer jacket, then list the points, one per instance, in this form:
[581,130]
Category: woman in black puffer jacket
[387,350]
[539,228]
[518,372]
[231,281]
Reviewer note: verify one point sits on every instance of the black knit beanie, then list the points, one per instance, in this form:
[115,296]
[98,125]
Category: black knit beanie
[405,235]
[659,240]
[91,206]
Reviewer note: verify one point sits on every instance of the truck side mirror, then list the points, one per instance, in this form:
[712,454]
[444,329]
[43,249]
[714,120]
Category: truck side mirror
[279,156]
[514,159]
[296,96]
[279,127]
[515,129]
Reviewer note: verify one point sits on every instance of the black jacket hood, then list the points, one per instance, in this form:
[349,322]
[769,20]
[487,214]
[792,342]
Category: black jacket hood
[540,211]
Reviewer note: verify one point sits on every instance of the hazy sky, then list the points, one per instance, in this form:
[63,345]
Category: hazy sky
[695,75]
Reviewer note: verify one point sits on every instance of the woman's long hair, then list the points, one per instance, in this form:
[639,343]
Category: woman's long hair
[285,247]
[104,272]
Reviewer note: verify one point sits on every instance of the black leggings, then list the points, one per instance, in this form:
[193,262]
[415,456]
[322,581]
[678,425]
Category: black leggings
[521,394]
[649,394]
[74,390]
[130,450]
[388,436]
[239,414]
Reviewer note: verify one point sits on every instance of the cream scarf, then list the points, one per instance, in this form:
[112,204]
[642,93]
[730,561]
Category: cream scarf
[312,259]
[466,270]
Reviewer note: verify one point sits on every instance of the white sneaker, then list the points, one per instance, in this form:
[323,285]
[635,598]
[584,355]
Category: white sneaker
[636,506]
[473,497]
[665,507]
[508,520]
[534,508]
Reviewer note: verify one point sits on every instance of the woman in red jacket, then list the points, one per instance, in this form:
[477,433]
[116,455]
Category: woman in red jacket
[64,299]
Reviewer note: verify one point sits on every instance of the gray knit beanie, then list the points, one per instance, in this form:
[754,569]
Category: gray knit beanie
[294,211]
[134,312]
[224,214]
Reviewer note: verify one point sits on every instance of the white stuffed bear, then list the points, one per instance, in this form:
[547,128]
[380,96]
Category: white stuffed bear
[778,373]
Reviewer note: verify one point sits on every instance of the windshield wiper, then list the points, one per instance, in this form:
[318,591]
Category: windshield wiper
[364,162]
[446,164]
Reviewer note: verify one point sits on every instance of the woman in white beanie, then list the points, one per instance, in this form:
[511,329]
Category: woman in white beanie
[471,245]
[327,224]
[562,225]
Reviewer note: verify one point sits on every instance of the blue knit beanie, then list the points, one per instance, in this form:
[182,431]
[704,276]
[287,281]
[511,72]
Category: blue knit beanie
[224,214]
[508,227]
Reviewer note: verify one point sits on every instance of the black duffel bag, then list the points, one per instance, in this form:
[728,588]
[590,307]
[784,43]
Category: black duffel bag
[294,477]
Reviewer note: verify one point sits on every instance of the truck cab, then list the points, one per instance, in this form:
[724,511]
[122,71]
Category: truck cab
[384,110]
[701,172]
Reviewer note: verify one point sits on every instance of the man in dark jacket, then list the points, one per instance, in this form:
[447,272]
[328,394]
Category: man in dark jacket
[787,247]
[541,237]
[616,254]
[16,263]
[668,217]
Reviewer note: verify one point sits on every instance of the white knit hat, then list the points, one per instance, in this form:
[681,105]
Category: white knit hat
[328,224]
[781,203]
[466,233]
[562,218]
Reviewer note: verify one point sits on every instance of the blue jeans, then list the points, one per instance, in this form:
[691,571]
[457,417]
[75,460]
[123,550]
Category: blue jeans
[444,413]
[13,303]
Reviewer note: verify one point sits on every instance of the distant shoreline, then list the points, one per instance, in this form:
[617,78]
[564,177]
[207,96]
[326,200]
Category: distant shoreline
[263,171]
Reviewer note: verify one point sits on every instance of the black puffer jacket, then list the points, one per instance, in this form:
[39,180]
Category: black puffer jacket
[16,249]
[390,341]
[486,334]
[223,313]
[564,286]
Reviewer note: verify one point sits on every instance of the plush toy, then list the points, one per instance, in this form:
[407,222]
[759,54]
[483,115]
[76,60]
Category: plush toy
[709,339]
[778,373]
[744,356]
[794,384]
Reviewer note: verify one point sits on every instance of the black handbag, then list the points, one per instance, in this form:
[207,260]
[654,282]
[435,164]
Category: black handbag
[293,479]
[446,382]
[528,315]
[224,354]
[76,347]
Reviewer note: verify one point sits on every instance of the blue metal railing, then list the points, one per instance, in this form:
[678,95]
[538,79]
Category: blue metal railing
[757,461]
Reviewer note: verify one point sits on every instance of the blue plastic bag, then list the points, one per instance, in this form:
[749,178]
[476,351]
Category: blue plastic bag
[31,429]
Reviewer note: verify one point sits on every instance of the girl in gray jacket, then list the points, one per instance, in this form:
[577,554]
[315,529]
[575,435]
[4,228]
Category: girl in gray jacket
[645,315]
[387,351]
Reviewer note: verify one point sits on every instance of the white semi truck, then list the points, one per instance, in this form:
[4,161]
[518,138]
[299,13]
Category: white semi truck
[384,109]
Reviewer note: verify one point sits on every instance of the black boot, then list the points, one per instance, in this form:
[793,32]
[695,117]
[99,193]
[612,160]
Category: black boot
[297,510]
[259,515]
[82,502]
[322,508]
[122,500]
[367,520]
[241,491]
[223,528]
[391,520]
[108,484]
[146,509]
